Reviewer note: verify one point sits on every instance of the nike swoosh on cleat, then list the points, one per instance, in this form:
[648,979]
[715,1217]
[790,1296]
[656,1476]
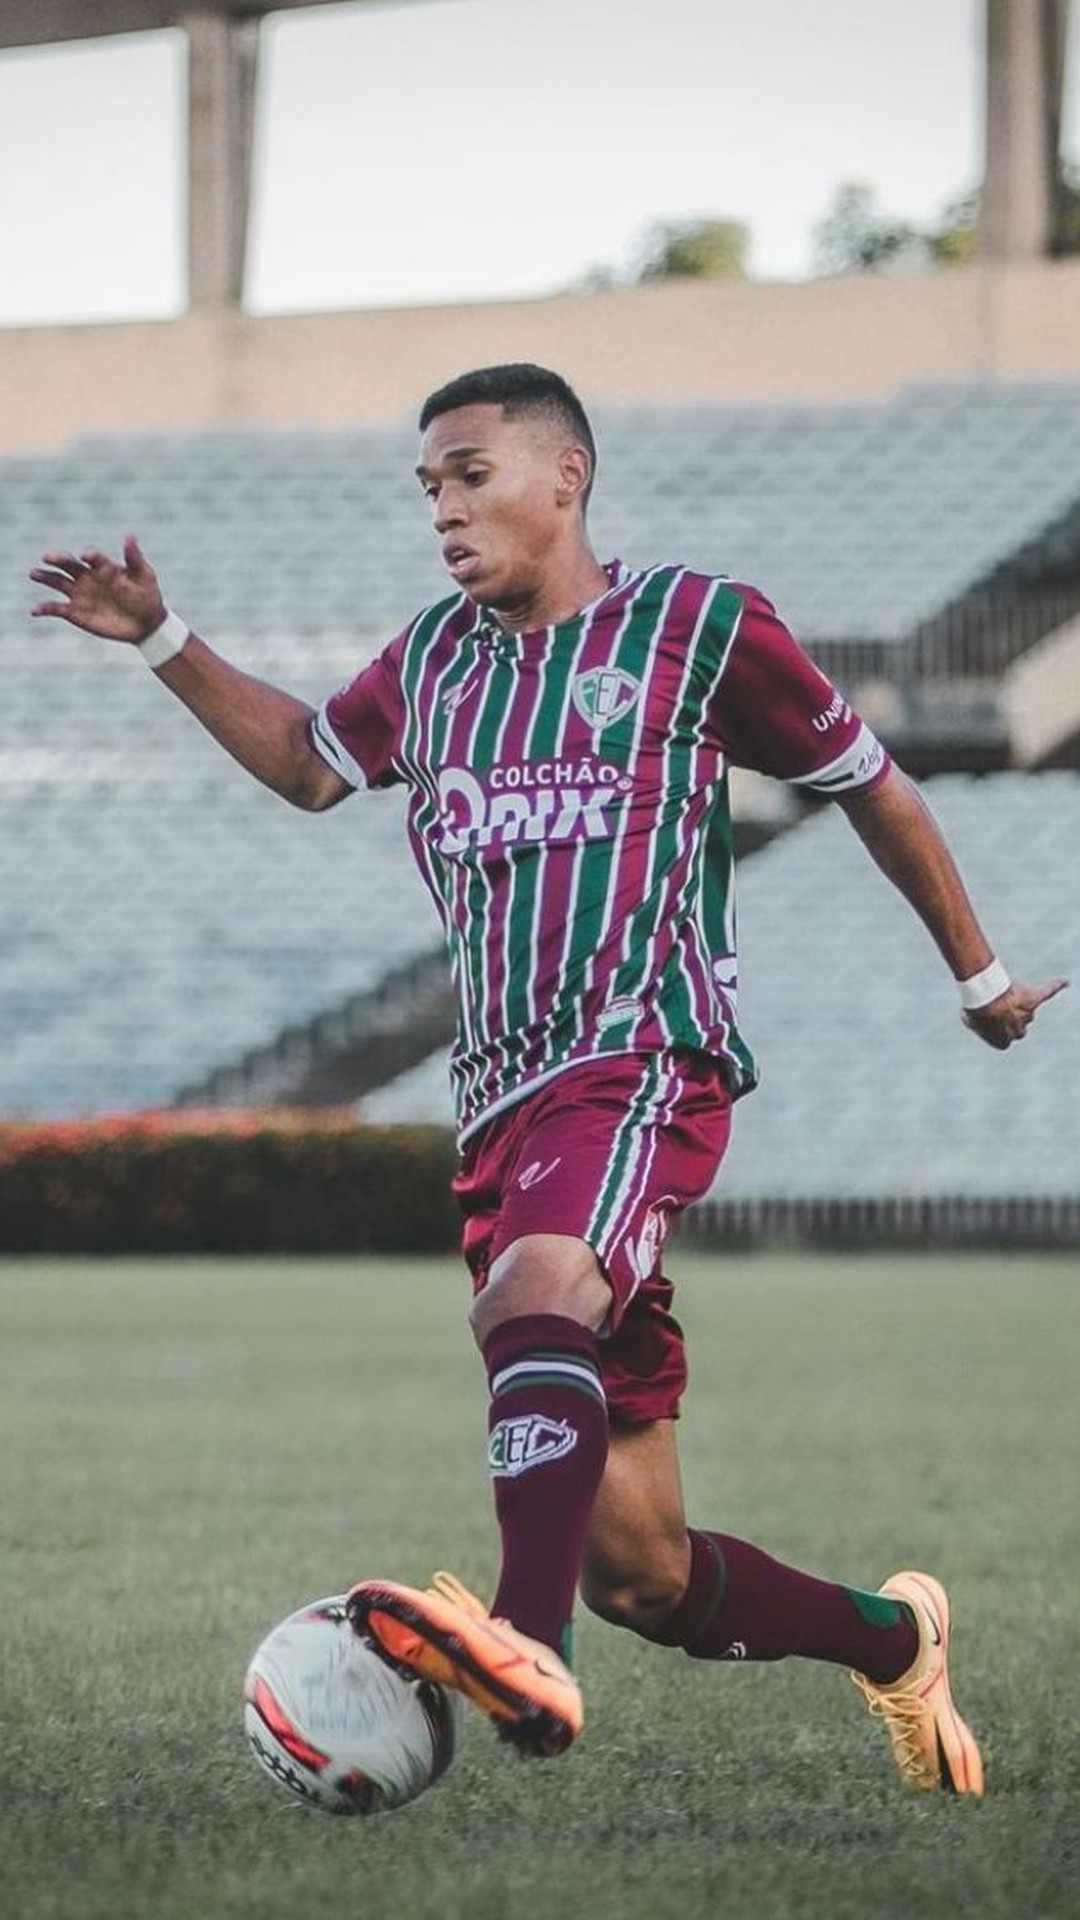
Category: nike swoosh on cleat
[548,1673]
[947,1781]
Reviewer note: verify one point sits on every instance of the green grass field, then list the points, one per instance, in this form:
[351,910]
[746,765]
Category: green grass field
[191,1449]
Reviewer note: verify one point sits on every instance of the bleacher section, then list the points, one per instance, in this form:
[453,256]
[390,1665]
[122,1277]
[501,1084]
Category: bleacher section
[871,1088]
[156,926]
[160,911]
[863,521]
[161,916]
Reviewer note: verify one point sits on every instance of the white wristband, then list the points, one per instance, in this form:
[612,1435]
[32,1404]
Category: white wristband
[165,642]
[983,987]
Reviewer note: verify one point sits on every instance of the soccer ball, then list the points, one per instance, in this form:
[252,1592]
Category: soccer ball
[330,1721]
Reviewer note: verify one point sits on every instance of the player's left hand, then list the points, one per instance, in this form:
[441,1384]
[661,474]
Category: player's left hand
[1008,1018]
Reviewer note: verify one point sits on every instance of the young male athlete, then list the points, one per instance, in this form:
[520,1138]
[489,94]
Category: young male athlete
[564,729]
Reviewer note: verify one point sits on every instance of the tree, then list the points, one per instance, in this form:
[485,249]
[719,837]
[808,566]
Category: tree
[955,239]
[713,249]
[855,238]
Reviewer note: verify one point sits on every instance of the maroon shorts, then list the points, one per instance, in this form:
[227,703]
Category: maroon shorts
[610,1152]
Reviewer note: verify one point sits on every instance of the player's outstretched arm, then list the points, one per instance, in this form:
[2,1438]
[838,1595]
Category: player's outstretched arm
[261,726]
[899,831]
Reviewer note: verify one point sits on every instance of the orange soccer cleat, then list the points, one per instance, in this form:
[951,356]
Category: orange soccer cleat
[446,1634]
[931,1745]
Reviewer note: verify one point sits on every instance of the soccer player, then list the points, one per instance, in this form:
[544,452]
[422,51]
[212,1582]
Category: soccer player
[564,729]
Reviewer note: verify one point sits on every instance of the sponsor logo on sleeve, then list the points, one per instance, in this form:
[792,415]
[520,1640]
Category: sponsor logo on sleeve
[836,710]
[871,760]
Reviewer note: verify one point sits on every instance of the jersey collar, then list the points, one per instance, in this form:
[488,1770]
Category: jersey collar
[489,633]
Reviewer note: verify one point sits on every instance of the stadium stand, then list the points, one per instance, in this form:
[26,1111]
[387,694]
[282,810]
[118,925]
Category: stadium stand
[870,1084]
[163,919]
[865,522]
[153,930]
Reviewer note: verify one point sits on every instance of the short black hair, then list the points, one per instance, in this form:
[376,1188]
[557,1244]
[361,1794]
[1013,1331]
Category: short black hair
[518,387]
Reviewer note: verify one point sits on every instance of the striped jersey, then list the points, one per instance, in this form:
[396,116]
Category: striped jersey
[569,812]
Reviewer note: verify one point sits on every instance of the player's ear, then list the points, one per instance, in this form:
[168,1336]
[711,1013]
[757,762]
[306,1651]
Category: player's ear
[575,472]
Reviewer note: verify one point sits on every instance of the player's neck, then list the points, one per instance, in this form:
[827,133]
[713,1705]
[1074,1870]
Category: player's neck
[565,589]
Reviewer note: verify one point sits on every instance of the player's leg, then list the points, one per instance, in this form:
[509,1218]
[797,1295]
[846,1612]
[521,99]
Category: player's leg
[536,1323]
[720,1598]
[608,1155]
[566,1200]
[547,1444]
[732,1601]
[637,1559]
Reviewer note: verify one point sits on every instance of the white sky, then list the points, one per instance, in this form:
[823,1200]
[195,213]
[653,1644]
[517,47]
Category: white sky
[458,149]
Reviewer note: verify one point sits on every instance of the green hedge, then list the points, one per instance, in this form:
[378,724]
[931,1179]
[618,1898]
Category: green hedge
[226,1183]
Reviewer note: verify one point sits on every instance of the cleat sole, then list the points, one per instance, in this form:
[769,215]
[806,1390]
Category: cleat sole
[439,1653]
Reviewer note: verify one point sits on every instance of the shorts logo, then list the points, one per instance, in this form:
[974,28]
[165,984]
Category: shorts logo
[736,1651]
[534,1173]
[604,694]
[529,1441]
[644,1254]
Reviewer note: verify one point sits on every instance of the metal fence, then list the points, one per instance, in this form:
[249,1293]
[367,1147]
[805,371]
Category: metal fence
[892,1221]
[975,640]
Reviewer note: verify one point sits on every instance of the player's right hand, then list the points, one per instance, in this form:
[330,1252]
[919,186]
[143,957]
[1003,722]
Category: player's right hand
[1007,1019]
[118,601]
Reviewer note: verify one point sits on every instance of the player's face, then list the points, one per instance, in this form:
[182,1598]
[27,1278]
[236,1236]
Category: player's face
[497,490]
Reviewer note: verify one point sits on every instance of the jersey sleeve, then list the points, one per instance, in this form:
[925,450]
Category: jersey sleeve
[358,731]
[773,710]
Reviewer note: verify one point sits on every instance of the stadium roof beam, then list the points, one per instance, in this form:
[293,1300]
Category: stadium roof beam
[39,23]
[1025,77]
[223,43]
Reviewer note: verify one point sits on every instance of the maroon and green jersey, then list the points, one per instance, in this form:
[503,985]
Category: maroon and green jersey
[569,810]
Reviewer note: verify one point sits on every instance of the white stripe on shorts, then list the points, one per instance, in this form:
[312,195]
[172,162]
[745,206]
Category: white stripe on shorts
[638,1170]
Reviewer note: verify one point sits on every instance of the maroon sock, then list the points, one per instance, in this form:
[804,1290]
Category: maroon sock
[740,1604]
[547,1444]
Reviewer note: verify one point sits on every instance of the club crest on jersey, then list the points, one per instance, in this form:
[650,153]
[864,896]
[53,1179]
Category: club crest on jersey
[604,694]
[529,1441]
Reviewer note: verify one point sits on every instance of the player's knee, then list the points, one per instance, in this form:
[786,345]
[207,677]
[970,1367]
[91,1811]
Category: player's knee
[640,1598]
[542,1273]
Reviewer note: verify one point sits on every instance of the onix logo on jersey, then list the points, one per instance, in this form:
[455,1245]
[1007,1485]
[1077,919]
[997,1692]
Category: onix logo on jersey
[604,694]
[550,800]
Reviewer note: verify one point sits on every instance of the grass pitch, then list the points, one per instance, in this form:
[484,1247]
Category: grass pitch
[192,1449]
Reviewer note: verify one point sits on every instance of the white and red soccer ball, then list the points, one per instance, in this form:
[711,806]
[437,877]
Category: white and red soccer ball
[330,1721]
